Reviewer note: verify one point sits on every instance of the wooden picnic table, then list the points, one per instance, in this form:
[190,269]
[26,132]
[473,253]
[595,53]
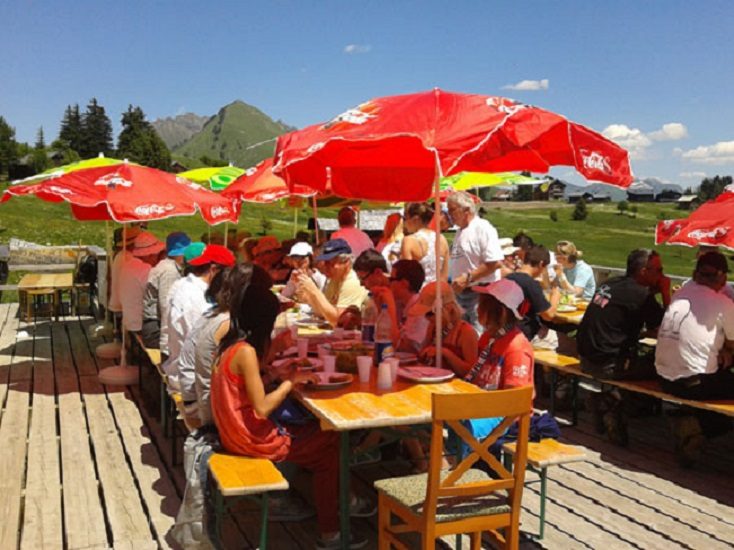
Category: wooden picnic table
[571,317]
[363,406]
[51,283]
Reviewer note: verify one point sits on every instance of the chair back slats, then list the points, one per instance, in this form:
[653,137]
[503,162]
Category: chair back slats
[512,402]
[512,405]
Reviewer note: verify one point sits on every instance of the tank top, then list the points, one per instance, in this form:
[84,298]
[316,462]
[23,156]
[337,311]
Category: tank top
[241,431]
[428,261]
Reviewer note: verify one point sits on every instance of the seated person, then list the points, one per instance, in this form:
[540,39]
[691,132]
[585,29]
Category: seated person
[269,255]
[459,339]
[694,351]
[512,261]
[406,281]
[342,288]
[535,305]
[242,407]
[300,260]
[573,275]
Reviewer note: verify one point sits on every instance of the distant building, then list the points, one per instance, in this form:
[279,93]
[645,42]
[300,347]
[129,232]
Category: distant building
[177,167]
[688,202]
[502,195]
[589,196]
[553,191]
[640,192]
[668,195]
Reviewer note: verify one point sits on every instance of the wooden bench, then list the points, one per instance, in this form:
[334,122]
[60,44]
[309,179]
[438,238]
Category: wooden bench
[564,364]
[541,455]
[236,477]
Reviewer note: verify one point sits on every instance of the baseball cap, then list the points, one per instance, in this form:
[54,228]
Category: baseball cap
[176,243]
[147,244]
[332,249]
[133,230]
[266,244]
[215,254]
[507,247]
[193,251]
[715,260]
[301,249]
[507,292]
[427,297]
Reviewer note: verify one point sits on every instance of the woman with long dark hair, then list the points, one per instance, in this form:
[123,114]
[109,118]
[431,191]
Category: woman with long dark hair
[419,242]
[241,405]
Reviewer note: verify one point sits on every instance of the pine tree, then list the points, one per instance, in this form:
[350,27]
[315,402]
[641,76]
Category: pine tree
[139,142]
[70,133]
[40,159]
[8,147]
[96,131]
[40,140]
[580,212]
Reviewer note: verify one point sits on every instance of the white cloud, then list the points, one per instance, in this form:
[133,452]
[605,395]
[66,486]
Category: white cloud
[352,49]
[718,153]
[693,175]
[672,131]
[637,142]
[528,85]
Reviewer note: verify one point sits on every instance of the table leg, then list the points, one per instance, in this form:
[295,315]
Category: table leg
[344,498]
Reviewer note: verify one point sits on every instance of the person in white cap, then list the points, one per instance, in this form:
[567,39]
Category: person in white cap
[505,357]
[300,258]
[134,272]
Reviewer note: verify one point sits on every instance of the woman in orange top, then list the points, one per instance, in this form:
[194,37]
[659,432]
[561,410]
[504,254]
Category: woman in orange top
[241,406]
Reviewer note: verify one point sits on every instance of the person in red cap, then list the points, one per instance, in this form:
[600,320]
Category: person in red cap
[187,300]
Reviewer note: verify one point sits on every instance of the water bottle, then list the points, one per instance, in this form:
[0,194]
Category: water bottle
[383,336]
[369,317]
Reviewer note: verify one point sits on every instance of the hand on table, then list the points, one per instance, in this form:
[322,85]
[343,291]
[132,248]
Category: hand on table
[460,283]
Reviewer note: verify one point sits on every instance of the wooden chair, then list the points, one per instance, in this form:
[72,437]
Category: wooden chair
[463,500]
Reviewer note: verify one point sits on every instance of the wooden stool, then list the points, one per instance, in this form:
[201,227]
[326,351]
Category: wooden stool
[35,296]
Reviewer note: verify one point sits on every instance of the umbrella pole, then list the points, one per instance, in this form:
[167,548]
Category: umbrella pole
[295,222]
[315,217]
[123,351]
[439,297]
[226,232]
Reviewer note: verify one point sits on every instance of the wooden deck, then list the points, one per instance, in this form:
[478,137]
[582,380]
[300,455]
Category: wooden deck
[84,466]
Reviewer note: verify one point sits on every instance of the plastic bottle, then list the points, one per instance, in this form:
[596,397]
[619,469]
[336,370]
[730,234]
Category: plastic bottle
[383,336]
[369,318]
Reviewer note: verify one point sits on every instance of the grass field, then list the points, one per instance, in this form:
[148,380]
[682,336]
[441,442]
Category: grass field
[605,236]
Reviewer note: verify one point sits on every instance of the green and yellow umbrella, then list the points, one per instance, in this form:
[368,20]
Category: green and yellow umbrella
[218,177]
[56,171]
[471,180]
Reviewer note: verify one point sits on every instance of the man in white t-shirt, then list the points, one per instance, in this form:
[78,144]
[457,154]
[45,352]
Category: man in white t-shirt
[693,356]
[696,337]
[476,254]
[357,239]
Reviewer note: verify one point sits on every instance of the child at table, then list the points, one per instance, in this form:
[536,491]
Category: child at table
[241,408]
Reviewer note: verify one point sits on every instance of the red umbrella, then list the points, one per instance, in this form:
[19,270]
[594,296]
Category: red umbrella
[393,148]
[128,193]
[710,224]
[259,184]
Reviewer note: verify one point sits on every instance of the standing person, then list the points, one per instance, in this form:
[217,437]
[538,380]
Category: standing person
[123,253]
[134,276]
[419,242]
[573,275]
[187,299]
[476,254]
[242,406]
[694,351]
[357,239]
[535,305]
[342,288]
[392,238]
[609,333]
[155,299]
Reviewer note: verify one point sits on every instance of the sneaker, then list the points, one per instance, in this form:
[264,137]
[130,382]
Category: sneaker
[688,439]
[370,456]
[289,508]
[362,508]
[616,427]
[335,542]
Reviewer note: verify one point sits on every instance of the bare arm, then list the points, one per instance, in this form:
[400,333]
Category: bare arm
[555,297]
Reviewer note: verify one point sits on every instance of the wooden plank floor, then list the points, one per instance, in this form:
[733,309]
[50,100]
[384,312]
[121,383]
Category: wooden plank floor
[86,466]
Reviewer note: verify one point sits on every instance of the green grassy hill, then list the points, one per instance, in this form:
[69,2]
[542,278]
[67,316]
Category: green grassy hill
[239,133]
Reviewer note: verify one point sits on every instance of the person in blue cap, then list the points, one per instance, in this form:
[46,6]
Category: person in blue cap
[342,288]
[155,299]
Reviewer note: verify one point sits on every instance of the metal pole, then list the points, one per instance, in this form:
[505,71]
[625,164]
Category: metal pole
[439,298]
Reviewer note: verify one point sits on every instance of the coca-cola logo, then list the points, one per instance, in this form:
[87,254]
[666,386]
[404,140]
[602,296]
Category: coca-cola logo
[359,115]
[714,234]
[593,160]
[146,210]
[60,190]
[218,211]
[506,106]
[112,181]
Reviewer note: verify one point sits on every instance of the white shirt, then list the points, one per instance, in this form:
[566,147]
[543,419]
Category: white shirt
[414,327]
[474,245]
[115,304]
[131,287]
[693,331]
[187,303]
[357,239]
[155,305]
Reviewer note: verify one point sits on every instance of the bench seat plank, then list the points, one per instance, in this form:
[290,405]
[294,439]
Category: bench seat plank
[548,452]
[241,475]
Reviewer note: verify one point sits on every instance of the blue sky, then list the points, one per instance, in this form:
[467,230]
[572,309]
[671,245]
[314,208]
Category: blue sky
[654,75]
